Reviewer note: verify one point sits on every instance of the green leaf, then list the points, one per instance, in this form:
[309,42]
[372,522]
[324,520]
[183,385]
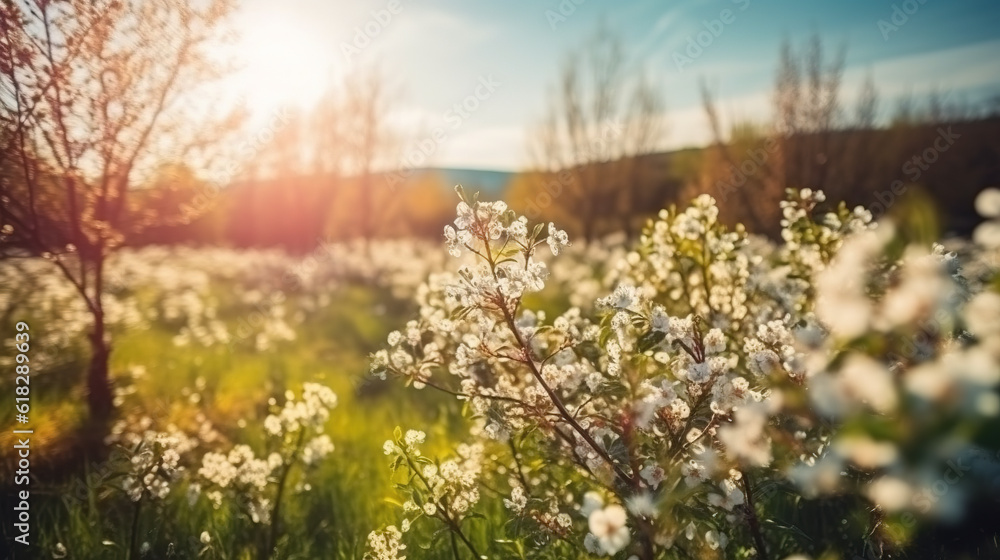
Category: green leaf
[393,501]
[605,335]
[536,231]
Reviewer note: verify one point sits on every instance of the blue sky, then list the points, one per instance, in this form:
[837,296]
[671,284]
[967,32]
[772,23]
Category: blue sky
[435,53]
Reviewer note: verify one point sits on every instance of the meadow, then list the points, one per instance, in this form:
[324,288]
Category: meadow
[276,406]
[204,341]
[749,312]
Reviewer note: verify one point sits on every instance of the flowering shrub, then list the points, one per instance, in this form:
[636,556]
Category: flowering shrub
[151,464]
[703,393]
[721,380]
[443,491]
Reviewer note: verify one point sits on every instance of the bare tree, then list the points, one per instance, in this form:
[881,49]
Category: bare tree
[286,154]
[94,96]
[808,144]
[866,109]
[597,133]
[807,112]
[644,129]
[858,164]
[367,140]
[354,140]
[744,166]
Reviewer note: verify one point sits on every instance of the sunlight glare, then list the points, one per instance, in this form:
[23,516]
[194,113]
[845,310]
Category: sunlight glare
[283,66]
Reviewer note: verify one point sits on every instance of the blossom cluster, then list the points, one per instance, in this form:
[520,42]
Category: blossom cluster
[713,365]
[246,481]
[445,490]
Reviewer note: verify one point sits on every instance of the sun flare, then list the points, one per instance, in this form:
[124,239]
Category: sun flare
[281,65]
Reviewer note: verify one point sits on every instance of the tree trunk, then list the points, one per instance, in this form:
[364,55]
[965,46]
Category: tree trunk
[99,397]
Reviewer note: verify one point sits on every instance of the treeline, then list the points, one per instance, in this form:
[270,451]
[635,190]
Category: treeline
[945,163]
[858,150]
[297,213]
[883,169]
[598,162]
[598,165]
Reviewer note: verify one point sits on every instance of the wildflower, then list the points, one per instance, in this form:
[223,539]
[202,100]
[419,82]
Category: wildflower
[731,496]
[518,229]
[452,239]
[642,505]
[716,540]
[385,545]
[714,341]
[988,203]
[205,538]
[660,321]
[517,500]
[745,438]
[395,337]
[693,472]
[609,528]
[652,474]
[272,425]
[414,437]
[868,381]
[624,297]
[890,493]
[866,452]
[316,449]
[557,239]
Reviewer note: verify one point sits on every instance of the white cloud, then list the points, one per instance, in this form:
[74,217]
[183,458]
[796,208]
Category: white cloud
[501,147]
[955,69]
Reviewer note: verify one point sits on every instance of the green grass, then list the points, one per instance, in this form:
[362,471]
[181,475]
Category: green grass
[349,490]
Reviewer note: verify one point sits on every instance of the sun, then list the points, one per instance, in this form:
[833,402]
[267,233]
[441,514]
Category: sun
[282,65]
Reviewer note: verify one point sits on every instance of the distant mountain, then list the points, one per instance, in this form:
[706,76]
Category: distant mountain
[490,183]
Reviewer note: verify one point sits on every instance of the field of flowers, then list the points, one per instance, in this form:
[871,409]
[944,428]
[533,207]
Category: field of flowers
[702,393]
